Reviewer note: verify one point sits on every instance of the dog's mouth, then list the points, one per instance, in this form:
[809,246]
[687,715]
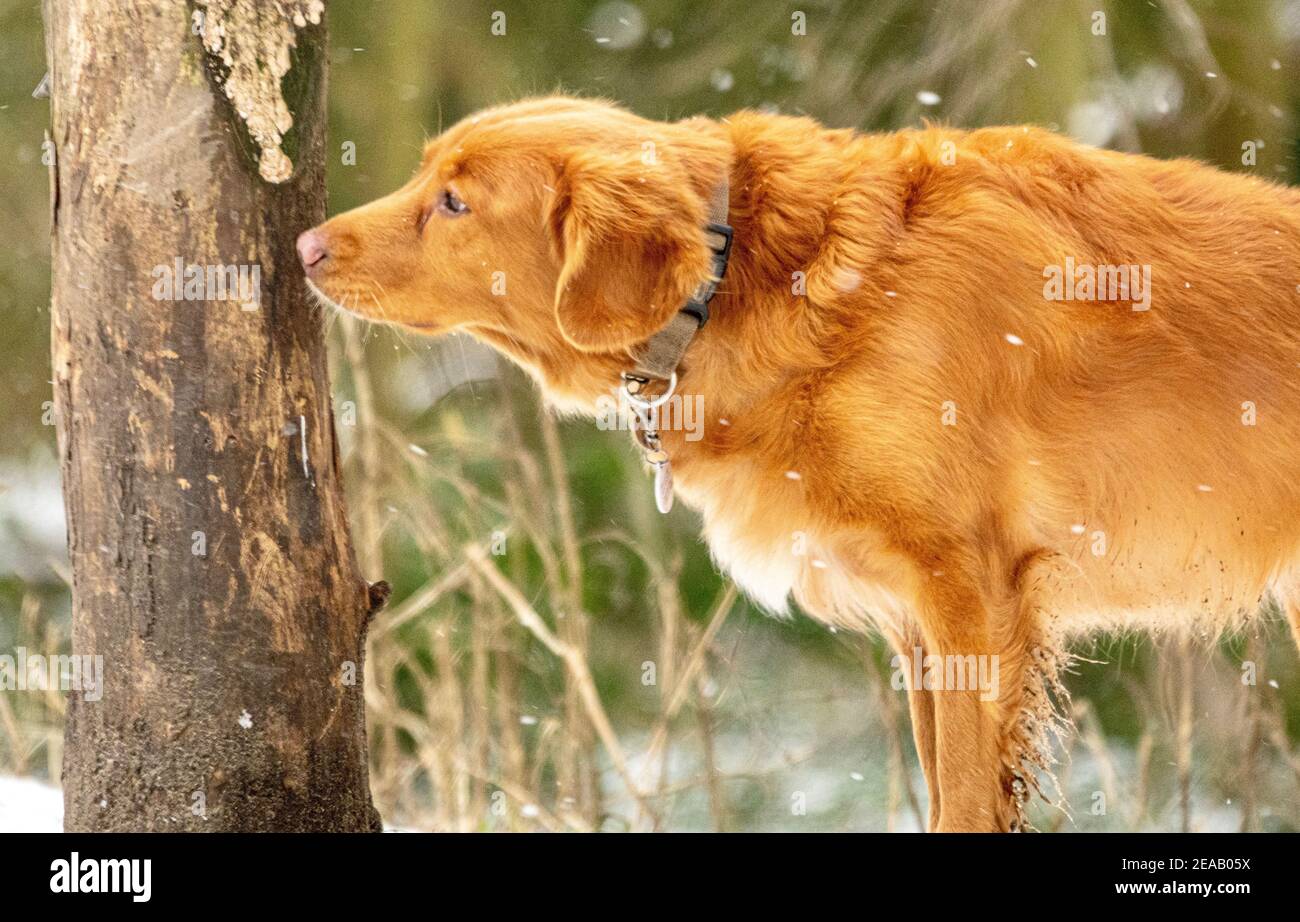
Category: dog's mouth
[355,301]
[367,305]
[323,299]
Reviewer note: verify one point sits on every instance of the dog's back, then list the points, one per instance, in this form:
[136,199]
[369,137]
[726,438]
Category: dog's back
[1119,340]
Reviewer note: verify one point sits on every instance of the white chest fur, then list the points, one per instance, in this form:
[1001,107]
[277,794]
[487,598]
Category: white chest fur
[763,536]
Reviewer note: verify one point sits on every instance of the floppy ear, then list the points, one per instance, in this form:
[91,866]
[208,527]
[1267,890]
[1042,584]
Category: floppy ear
[630,234]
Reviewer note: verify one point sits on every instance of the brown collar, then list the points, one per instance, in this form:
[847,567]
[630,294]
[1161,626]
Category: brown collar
[658,359]
[662,353]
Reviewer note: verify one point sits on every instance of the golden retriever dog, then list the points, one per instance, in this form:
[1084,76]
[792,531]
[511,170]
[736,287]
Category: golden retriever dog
[982,391]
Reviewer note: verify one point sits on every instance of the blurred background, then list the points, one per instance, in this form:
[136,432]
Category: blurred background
[679,707]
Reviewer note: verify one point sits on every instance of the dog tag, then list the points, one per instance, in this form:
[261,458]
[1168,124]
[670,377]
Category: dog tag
[664,486]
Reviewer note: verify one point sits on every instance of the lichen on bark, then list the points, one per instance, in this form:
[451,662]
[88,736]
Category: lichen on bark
[254,40]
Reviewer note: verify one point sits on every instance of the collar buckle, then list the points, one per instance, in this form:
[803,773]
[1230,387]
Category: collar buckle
[720,244]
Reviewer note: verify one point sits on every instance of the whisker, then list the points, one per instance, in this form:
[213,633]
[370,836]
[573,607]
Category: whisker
[401,335]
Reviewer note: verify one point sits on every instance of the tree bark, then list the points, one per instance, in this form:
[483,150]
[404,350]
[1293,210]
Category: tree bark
[212,566]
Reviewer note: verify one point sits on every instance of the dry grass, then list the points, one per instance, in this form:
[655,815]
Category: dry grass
[31,722]
[458,741]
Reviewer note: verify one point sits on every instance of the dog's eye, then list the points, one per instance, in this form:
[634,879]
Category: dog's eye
[449,204]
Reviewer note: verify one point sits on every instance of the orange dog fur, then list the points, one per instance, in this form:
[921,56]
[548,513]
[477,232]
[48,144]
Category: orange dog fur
[901,430]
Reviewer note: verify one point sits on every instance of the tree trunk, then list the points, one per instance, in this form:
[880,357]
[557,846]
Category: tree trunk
[212,566]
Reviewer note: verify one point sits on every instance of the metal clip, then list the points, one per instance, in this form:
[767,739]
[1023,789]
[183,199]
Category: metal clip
[647,437]
[633,385]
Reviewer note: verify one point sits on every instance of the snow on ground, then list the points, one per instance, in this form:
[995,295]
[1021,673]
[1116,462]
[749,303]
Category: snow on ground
[28,805]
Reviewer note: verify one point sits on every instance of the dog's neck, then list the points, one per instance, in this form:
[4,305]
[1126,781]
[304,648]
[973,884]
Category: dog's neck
[735,361]
[732,363]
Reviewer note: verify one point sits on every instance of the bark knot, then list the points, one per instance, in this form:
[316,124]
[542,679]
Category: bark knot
[377,595]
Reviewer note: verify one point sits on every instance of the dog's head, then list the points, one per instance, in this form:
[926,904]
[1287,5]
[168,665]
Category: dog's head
[561,231]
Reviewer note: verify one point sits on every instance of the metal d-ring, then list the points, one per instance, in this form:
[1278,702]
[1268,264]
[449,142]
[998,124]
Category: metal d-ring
[646,405]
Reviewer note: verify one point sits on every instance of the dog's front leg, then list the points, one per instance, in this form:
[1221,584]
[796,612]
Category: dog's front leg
[907,645]
[1292,605]
[921,704]
[967,742]
[974,673]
